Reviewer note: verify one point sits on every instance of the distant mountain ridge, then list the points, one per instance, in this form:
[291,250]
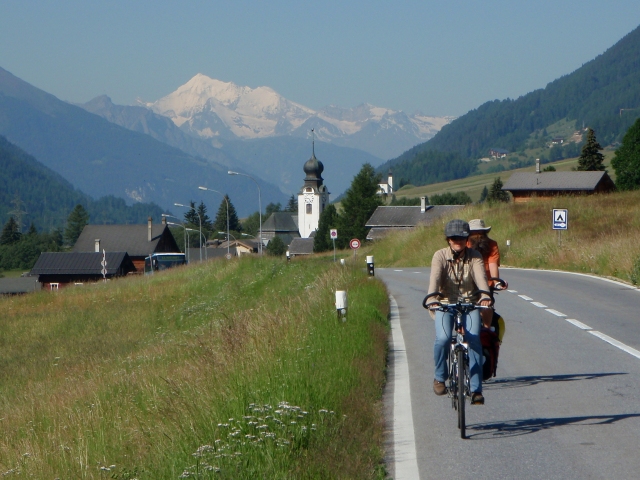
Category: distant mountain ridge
[102,158]
[278,160]
[603,94]
[220,111]
[46,199]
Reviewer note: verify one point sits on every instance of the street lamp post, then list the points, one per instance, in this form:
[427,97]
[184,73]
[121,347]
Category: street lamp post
[199,218]
[230,172]
[225,199]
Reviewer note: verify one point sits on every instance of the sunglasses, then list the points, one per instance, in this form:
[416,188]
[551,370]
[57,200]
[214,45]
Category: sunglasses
[458,239]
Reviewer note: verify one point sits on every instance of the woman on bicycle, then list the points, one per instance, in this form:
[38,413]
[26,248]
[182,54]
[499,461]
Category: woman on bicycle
[488,248]
[458,272]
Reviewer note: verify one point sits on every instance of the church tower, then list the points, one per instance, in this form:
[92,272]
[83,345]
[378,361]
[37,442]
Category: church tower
[313,196]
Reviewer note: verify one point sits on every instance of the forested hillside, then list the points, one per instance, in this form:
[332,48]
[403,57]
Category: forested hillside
[43,198]
[603,94]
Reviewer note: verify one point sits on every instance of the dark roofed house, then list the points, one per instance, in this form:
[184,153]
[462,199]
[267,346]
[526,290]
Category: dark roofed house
[139,241]
[281,224]
[301,246]
[527,185]
[18,285]
[388,219]
[58,269]
[498,152]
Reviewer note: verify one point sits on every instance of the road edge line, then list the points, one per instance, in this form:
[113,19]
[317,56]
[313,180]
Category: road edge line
[404,440]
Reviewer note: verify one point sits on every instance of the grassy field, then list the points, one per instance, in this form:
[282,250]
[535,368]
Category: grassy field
[228,370]
[473,185]
[601,238]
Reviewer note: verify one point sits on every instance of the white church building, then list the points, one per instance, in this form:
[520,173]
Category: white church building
[312,198]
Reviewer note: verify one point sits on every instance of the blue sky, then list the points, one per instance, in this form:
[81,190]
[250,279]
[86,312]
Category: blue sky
[439,57]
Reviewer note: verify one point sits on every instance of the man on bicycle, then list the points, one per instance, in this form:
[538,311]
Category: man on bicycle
[457,272]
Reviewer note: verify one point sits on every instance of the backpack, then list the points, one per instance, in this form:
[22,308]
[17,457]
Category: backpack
[491,340]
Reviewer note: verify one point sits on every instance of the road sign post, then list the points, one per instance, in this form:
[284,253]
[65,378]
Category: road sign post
[560,221]
[334,234]
[354,243]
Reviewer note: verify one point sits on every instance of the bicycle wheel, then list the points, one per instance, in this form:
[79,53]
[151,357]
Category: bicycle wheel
[460,397]
[452,378]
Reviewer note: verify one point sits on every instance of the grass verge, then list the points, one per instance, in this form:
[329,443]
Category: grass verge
[226,370]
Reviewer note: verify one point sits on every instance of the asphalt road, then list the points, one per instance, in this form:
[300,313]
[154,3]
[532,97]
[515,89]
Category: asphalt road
[565,402]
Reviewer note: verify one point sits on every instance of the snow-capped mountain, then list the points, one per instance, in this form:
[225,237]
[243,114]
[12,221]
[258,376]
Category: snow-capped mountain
[219,111]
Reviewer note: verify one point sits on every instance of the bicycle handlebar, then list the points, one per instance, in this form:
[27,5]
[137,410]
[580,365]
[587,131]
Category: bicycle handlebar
[461,304]
[499,284]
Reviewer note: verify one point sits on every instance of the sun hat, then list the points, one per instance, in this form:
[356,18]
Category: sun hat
[477,224]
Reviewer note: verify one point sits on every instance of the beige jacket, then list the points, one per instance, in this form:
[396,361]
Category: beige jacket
[457,279]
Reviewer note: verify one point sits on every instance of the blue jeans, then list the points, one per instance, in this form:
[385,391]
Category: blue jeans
[444,327]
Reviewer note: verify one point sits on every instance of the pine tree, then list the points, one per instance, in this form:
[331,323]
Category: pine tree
[496,194]
[220,222]
[206,221]
[626,162]
[591,159]
[76,221]
[484,194]
[10,232]
[272,208]
[359,203]
[328,220]
[191,215]
[292,205]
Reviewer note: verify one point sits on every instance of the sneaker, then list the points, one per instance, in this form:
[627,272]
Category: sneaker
[477,398]
[439,388]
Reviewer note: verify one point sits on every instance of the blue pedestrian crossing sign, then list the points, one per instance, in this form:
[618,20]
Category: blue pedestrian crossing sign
[560,219]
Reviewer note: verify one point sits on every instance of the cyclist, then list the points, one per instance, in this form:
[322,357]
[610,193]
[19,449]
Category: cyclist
[488,248]
[458,272]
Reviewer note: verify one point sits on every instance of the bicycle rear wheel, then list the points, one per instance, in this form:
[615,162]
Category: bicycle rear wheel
[460,396]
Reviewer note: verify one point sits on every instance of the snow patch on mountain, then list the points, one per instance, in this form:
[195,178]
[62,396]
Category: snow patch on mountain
[213,109]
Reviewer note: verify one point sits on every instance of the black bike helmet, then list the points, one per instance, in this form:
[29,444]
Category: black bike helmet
[456,228]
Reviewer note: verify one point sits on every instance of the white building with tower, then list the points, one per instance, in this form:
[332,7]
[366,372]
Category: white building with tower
[386,188]
[312,198]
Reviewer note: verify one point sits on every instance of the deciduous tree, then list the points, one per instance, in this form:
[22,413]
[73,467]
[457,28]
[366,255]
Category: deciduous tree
[626,162]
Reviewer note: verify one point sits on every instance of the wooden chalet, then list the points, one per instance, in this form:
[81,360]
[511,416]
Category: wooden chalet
[57,270]
[139,241]
[524,186]
[301,246]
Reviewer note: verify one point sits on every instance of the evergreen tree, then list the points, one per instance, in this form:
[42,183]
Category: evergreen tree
[191,215]
[76,221]
[220,222]
[359,203]
[484,194]
[496,194]
[591,159]
[206,221]
[328,220]
[626,162]
[448,198]
[276,247]
[273,207]
[292,205]
[10,233]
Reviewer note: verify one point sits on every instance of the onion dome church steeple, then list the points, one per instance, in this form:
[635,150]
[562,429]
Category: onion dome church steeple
[313,195]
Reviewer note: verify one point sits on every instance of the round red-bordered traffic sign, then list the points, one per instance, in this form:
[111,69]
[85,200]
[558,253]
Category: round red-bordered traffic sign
[354,243]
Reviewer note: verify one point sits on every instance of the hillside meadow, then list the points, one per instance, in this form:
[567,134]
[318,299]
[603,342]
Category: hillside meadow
[235,370]
[602,236]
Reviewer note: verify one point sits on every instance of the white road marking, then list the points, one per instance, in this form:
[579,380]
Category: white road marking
[524,297]
[616,343]
[538,304]
[512,291]
[578,324]
[555,312]
[398,270]
[418,272]
[404,440]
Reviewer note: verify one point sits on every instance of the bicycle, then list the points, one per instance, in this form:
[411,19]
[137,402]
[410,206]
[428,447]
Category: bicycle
[491,338]
[458,383]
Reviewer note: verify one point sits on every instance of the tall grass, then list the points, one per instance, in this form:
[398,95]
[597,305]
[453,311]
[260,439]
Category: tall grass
[227,370]
[602,236]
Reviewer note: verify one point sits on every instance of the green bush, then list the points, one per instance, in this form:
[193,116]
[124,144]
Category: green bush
[635,272]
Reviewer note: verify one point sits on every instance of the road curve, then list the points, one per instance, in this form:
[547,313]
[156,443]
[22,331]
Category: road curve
[565,402]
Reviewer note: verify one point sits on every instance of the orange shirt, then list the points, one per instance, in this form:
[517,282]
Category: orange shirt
[492,257]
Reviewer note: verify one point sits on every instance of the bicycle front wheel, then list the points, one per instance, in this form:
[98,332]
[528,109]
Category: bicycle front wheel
[460,396]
